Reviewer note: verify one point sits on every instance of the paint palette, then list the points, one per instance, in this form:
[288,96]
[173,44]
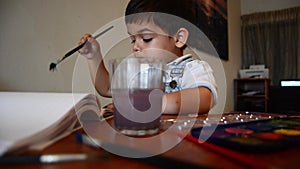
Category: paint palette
[255,136]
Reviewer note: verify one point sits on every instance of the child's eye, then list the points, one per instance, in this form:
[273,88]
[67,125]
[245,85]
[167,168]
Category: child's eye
[146,40]
[148,37]
[132,40]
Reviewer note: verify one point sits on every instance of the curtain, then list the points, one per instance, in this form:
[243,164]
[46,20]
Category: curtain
[273,39]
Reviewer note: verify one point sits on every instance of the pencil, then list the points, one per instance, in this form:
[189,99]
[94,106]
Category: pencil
[242,159]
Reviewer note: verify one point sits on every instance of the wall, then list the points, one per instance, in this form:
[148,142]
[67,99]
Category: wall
[35,33]
[234,41]
[251,6]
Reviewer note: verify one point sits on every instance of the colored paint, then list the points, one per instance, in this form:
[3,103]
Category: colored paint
[269,136]
[220,134]
[238,131]
[297,128]
[275,125]
[246,140]
[287,132]
[286,122]
[261,128]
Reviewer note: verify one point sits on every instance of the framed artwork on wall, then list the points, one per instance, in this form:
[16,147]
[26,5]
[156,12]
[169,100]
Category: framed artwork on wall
[212,20]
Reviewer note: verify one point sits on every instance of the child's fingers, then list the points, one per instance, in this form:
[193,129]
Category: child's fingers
[110,107]
[83,40]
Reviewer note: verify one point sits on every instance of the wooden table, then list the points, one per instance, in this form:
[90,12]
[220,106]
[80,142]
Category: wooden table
[186,153]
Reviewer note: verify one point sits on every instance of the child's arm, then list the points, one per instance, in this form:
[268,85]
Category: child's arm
[98,72]
[188,101]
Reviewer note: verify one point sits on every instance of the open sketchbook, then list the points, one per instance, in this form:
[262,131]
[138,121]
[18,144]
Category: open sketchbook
[36,120]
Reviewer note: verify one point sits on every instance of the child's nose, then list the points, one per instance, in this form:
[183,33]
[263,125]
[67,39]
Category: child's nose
[136,47]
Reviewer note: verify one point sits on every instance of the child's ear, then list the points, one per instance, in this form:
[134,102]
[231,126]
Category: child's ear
[181,37]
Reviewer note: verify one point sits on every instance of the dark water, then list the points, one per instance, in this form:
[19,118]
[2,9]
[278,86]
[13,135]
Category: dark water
[139,99]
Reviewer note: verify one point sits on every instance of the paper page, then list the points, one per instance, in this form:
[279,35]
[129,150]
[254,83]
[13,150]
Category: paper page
[25,114]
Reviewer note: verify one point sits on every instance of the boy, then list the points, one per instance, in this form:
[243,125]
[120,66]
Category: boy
[153,27]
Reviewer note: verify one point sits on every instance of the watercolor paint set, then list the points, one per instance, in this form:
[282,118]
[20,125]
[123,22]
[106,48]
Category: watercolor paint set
[253,136]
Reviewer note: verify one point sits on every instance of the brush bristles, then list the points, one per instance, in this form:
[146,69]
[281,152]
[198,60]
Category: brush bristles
[52,67]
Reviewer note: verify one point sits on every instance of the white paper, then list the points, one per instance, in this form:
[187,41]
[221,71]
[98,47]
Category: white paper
[25,114]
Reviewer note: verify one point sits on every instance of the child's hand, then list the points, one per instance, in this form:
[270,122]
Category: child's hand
[91,49]
[107,111]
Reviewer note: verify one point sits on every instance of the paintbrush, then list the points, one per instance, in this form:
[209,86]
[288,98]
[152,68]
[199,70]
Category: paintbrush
[54,64]
[52,158]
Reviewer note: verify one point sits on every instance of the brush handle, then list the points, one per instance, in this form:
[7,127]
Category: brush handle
[103,32]
[74,50]
[81,45]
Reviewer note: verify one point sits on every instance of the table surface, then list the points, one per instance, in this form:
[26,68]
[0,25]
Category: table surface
[186,153]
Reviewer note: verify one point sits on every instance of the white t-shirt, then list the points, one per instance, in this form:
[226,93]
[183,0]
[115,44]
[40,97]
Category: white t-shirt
[187,72]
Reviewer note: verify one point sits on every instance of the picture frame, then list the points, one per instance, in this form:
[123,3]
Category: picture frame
[211,19]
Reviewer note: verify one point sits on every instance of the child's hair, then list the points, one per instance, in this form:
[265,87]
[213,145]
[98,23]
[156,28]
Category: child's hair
[162,13]
[170,16]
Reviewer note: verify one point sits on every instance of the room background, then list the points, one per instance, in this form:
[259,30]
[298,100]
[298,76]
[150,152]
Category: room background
[35,33]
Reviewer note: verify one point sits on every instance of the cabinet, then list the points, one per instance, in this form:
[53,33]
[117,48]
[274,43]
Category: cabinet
[251,94]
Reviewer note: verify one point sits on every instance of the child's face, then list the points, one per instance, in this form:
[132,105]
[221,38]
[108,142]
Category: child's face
[149,40]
